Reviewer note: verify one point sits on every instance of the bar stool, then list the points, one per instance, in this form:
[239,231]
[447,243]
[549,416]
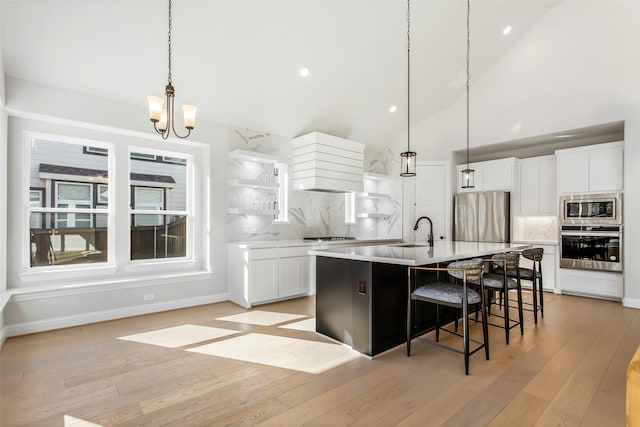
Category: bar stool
[535,276]
[453,295]
[499,280]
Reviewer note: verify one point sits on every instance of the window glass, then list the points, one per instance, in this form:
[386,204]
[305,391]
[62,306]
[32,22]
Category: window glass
[36,200]
[162,187]
[75,232]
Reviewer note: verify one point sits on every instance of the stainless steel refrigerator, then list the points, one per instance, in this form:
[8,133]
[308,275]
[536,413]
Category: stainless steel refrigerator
[482,216]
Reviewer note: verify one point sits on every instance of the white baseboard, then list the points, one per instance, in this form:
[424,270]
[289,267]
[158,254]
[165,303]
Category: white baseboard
[101,316]
[631,303]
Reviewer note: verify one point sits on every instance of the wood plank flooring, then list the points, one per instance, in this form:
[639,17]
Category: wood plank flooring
[568,370]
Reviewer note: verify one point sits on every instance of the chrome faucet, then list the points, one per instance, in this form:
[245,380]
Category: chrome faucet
[430,237]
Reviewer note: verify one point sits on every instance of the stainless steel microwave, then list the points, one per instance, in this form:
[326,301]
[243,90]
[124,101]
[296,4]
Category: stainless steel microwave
[591,208]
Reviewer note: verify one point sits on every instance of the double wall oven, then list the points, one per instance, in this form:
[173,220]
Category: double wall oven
[591,232]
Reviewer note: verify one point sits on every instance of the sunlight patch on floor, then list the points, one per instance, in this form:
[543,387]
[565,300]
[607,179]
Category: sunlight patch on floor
[261,318]
[283,352]
[303,325]
[180,336]
[70,421]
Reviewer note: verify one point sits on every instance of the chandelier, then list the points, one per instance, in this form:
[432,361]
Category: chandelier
[163,118]
[408,158]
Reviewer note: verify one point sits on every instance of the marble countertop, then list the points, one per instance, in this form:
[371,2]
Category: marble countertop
[314,243]
[442,251]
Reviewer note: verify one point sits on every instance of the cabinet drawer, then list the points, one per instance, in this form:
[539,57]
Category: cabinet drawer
[266,253]
[293,251]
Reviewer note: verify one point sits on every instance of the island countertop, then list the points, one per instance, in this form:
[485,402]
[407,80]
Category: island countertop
[442,251]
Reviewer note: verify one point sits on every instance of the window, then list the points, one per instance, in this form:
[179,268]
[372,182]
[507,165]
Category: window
[159,216]
[68,229]
[77,193]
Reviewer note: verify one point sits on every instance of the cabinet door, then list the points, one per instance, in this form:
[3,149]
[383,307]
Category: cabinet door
[498,175]
[547,188]
[263,280]
[573,172]
[529,186]
[605,169]
[294,276]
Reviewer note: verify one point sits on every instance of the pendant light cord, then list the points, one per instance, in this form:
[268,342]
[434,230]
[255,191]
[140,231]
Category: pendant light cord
[408,73]
[468,50]
[170,82]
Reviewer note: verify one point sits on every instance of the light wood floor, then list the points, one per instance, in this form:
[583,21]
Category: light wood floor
[569,370]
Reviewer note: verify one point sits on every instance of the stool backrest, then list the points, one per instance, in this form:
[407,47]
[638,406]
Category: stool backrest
[472,267]
[509,260]
[534,254]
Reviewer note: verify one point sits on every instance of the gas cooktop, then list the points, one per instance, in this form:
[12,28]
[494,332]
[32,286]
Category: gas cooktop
[329,238]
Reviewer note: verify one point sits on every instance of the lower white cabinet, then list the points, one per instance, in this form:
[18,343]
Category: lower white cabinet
[294,272]
[601,284]
[260,275]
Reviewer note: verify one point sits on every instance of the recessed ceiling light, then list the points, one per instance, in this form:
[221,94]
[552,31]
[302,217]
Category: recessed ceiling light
[506,30]
[393,108]
[568,135]
[304,72]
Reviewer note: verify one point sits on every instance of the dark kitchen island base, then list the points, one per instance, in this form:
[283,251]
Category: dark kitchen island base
[364,304]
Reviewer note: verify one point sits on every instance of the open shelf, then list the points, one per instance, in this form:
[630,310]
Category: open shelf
[253,156]
[373,215]
[251,183]
[242,211]
[373,195]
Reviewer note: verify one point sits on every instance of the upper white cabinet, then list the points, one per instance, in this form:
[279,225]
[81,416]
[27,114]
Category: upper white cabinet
[492,175]
[538,186]
[590,169]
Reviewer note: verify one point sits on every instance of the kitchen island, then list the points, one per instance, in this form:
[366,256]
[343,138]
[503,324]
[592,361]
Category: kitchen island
[361,292]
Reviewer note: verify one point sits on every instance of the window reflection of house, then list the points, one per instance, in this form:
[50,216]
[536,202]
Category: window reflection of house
[70,205]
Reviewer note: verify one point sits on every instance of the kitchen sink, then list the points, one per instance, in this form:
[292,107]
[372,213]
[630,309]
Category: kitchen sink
[412,245]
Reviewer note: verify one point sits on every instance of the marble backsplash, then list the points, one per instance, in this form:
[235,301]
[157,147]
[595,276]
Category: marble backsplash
[535,229]
[310,213]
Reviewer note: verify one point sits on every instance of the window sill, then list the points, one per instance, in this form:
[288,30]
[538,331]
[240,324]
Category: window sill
[63,273]
[45,291]
[163,265]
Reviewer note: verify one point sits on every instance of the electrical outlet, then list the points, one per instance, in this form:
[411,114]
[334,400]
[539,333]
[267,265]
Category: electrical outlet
[148,297]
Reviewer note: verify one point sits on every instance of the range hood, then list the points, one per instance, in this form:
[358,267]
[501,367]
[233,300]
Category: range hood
[327,163]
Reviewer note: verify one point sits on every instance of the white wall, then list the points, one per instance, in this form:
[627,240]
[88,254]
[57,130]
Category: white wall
[577,67]
[55,304]
[3,197]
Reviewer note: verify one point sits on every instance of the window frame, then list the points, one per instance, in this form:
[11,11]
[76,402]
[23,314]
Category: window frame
[188,212]
[119,268]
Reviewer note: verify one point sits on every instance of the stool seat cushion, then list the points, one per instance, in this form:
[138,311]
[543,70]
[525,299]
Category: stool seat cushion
[525,273]
[448,293]
[496,281]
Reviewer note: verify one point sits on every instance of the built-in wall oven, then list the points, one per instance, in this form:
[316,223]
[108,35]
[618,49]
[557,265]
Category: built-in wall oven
[591,232]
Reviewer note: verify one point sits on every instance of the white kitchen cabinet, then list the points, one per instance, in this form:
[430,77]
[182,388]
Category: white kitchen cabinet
[590,169]
[600,284]
[294,267]
[265,274]
[538,186]
[492,175]
[263,280]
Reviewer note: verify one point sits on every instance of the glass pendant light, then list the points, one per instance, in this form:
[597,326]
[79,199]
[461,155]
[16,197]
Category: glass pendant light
[408,158]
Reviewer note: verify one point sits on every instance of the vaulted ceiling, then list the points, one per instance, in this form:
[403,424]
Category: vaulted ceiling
[239,60]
